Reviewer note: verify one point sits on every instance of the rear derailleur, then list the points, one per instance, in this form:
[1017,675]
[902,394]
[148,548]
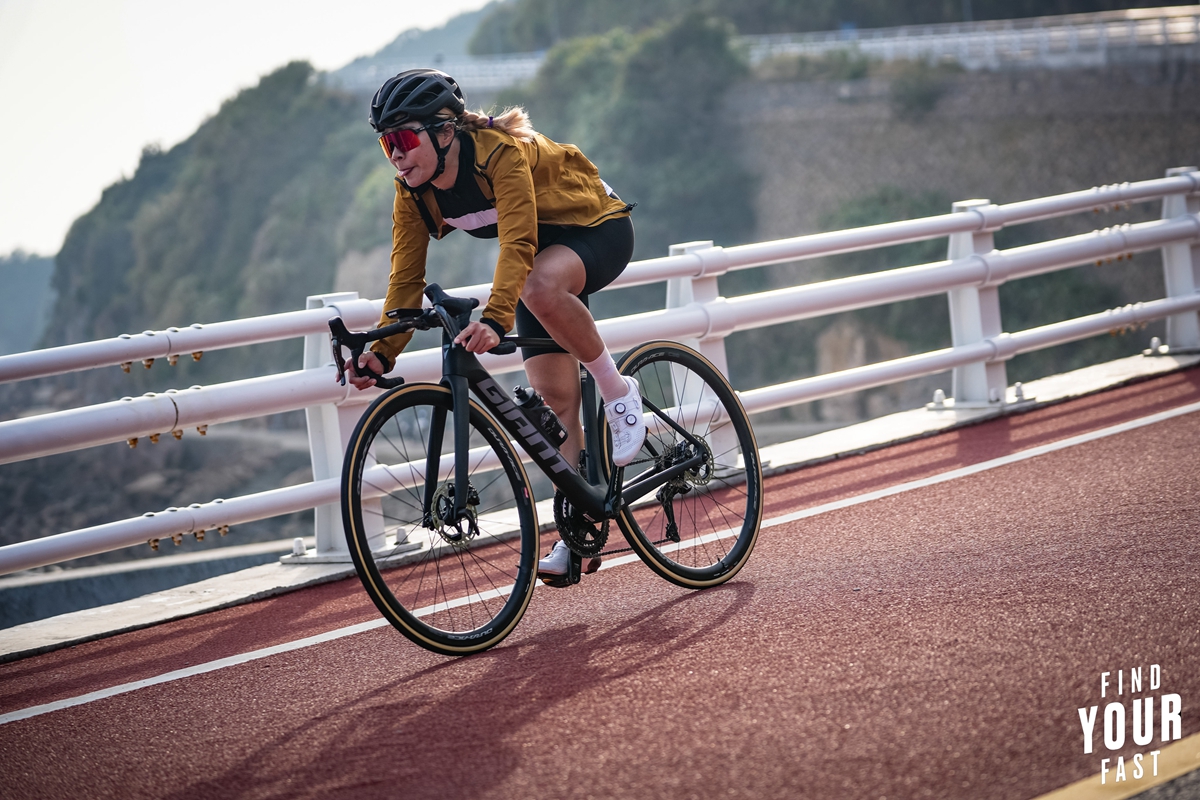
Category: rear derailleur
[681,484]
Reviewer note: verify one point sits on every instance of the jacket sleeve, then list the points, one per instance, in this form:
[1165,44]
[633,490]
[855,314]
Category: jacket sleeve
[516,223]
[410,243]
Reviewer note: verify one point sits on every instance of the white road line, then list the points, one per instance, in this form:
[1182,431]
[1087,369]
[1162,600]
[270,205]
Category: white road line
[199,669]
[211,666]
[984,466]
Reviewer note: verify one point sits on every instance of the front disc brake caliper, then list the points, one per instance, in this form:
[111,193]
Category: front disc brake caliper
[454,531]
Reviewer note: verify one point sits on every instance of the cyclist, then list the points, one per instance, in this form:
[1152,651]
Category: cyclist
[564,234]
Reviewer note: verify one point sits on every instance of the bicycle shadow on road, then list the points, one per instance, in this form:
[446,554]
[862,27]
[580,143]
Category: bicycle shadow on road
[461,727]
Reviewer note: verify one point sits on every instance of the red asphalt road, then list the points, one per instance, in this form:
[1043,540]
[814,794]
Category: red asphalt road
[935,643]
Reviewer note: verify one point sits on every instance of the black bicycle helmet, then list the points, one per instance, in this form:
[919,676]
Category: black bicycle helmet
[415,94]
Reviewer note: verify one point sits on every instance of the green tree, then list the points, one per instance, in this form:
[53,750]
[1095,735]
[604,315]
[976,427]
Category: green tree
[647,109]
[240,219]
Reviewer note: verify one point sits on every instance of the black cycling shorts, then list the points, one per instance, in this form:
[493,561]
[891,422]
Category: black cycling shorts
[605,251]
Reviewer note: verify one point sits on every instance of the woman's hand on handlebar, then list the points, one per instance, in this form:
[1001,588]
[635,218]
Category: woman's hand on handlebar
[477,338]
[371,362]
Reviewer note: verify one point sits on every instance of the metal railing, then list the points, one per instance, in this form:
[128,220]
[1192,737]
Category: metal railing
[695,313]
[477,74]
[1059,41]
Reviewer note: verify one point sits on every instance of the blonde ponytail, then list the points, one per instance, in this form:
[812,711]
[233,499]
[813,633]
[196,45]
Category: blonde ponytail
[514,121]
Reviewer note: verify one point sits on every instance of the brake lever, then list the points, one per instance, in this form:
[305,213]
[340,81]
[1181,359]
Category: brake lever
[338,334]
[380,381]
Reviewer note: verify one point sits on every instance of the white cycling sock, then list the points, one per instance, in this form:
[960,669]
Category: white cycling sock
[612,386]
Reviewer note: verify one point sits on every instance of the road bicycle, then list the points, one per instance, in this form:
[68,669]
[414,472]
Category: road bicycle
[437,506]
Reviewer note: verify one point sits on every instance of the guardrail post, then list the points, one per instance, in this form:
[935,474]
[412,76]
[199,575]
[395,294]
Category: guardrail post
[1181,269]
[975,316]
[702,289]
[329,429]
[682,291]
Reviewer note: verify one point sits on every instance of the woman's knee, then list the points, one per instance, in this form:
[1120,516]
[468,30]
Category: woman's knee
[557,272]
[539,293]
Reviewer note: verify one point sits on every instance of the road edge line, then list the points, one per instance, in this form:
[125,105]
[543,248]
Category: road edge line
[984,466]
[187,672]
[1174,761]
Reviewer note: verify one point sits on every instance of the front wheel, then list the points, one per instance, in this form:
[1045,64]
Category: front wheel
[452,585]
[698,528]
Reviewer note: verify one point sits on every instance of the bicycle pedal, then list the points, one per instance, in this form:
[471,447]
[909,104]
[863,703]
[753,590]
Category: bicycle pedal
[557,581]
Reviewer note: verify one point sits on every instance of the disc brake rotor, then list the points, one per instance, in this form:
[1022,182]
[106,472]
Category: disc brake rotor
[700,474]
[455,532]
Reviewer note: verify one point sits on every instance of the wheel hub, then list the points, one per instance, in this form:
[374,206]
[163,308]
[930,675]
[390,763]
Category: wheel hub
[698,475]
[455,531]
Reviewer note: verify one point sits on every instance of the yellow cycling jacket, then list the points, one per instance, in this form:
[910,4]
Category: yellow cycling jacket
[528,182]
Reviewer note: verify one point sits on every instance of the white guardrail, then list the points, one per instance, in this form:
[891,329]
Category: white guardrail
[695,313]
[1059,41]
[1070,40]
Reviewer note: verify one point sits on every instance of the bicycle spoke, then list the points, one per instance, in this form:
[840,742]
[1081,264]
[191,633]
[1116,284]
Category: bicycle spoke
[715,505]
[460,585]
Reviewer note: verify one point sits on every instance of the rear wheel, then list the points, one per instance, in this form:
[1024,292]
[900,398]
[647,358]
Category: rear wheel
[698,528]
[453,587]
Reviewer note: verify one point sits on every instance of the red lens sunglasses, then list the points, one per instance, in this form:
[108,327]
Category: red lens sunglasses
[406,139]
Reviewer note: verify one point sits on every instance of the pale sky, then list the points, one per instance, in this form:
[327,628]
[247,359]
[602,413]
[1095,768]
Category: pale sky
[86,84]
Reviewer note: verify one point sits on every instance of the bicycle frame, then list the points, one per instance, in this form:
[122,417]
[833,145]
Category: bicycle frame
[462,373]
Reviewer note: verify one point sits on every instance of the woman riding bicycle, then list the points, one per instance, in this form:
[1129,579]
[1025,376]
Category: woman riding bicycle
[564,234]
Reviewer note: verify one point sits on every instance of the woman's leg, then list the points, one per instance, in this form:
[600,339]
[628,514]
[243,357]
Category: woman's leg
[550,293]
[559,275]
[556,378]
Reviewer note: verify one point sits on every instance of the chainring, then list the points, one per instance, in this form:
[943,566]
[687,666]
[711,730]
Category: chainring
[583,536]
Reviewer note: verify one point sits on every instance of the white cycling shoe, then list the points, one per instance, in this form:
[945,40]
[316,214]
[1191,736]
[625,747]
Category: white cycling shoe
[557,564]
[625,420]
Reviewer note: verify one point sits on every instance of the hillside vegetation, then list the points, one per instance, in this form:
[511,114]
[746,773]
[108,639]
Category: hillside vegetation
[26,281]
[528,25]
[283,193]
[640,107]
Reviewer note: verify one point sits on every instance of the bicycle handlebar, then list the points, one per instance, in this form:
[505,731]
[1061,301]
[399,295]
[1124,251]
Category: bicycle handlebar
[451,313]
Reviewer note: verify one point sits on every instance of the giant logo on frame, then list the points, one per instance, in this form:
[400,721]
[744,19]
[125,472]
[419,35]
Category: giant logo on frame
[1127,716]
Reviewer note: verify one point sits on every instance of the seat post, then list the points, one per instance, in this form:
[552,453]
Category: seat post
[591,432]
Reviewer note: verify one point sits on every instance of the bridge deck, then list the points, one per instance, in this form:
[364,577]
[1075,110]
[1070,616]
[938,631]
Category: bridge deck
[933,642]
